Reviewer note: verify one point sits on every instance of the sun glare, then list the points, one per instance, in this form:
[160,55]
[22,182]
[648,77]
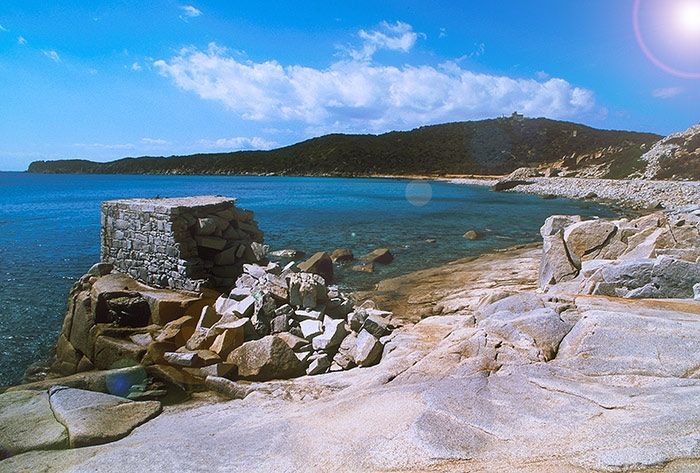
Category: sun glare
[668,32]
[688,17]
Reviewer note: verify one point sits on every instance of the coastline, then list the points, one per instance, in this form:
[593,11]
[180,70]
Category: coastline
[447,364]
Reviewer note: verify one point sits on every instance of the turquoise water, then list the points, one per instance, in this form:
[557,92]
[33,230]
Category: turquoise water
[49,232]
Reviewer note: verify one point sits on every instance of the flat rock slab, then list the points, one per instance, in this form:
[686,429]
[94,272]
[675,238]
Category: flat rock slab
[96,418]
[27,423]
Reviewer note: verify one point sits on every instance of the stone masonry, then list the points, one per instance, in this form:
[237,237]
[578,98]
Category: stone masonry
[180,243]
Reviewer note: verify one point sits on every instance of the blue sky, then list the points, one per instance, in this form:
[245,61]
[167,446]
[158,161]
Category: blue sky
[104,80]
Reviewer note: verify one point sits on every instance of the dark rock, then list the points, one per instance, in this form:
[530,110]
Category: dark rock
[376,325]
[507,185]
[380,255]
[321,264]
[125,309]
[341,255]
[111,353]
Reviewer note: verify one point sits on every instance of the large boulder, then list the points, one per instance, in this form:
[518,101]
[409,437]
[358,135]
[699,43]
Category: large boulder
[266,359]
[586,239]
[28,423]
[556,265]
[96,418]
[321,264]
[556,223]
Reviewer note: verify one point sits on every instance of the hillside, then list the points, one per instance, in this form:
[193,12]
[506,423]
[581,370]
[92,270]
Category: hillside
[489,147]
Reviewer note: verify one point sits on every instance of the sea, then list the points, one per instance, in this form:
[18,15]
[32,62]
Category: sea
[50,225]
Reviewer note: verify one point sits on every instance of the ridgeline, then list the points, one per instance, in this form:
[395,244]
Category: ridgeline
[487,147]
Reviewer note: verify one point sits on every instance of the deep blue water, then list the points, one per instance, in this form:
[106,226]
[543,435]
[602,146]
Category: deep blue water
[49,232]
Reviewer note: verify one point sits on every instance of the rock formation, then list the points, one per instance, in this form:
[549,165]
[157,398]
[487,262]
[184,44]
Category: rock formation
[675,157]
[656,256]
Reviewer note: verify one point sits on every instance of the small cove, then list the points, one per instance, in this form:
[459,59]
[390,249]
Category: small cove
[49,232]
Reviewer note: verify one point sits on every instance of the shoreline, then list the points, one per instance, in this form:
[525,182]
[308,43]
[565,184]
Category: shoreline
[631,194]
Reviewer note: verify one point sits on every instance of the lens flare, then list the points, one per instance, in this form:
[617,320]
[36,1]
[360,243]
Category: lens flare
[688,17]
[419,193]
[668,33]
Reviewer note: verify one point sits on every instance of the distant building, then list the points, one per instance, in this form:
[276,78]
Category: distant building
[517,116]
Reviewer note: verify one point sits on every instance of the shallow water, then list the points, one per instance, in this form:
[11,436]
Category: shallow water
[49,232]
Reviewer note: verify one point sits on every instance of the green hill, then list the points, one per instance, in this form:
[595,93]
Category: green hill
[489,147]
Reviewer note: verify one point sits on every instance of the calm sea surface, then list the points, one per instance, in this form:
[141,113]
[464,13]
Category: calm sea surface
[49,232]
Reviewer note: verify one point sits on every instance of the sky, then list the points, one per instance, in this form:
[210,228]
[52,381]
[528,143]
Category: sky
[103,80]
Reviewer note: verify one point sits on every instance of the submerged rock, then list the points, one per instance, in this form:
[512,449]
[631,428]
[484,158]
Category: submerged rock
[380,255]
[342,255]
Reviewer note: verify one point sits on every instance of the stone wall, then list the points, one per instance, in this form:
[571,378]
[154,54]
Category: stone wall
[180,243]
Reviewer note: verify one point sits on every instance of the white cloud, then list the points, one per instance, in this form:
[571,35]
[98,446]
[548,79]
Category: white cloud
[21,40]
[397,36]
[2,28]
[136,66]
[239,143]
[154,141]
[190,11]
[51,54]
[443,33]
[103,146]
[357,96]
[667,92]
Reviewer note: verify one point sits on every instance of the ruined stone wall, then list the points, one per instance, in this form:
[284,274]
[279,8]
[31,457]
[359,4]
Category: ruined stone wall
[180,243]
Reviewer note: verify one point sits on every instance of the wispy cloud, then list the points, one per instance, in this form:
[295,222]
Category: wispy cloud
[443,33]
[359,96]
[2,28]
[239,143]
[21,40]
[136,66]
[51,54]
[397,36]
[667,92]
[154,141]
[189,11]
[105,146]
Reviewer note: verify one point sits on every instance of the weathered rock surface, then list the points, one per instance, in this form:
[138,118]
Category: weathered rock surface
[94,418]
[27,423]
[582,383]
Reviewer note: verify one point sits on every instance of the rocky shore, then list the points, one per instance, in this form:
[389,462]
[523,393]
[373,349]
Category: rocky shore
[579,355]
[635,194]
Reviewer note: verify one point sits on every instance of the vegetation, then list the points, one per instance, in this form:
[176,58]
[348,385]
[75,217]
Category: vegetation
[489,147]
